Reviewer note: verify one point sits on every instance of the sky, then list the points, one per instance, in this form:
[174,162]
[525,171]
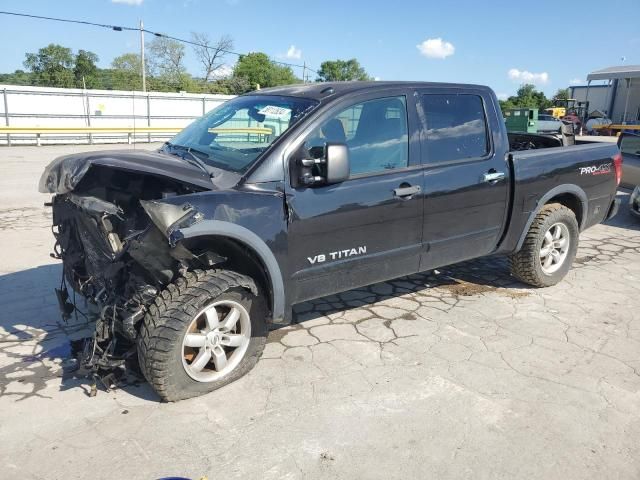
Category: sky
[503,44]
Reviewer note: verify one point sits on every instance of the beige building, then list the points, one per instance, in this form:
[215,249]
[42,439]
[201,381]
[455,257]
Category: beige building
[618,97]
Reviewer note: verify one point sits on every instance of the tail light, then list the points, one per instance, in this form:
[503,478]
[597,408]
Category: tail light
[617,165]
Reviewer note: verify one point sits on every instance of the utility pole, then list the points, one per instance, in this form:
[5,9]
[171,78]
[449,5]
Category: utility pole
[85,100]
[304,72]
[144,73]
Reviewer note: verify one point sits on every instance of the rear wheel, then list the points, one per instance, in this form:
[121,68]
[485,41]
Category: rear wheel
[204,331]
[549,247]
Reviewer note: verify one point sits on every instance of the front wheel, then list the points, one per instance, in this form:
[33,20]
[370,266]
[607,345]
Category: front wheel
[548,249]
[204,331]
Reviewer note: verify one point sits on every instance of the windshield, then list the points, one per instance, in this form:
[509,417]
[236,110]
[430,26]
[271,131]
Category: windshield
[233,135]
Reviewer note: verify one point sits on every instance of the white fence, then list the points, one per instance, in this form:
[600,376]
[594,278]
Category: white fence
[33,107]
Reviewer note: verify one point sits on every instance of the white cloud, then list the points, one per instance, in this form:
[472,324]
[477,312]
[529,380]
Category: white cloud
[576,81]
[524,76]
[294,53]
[472,127]
[128,2]
[223,71]
[436,48]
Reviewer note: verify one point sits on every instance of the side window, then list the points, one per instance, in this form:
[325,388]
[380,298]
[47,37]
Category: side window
[456,127]
[375,132]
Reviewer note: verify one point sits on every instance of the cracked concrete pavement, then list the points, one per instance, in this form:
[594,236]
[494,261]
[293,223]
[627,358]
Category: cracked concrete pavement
[458,373]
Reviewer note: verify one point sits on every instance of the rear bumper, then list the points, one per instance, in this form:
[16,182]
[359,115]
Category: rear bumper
[613,209]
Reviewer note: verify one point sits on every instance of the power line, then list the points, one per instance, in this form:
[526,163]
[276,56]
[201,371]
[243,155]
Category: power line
[119,28]
[83,22]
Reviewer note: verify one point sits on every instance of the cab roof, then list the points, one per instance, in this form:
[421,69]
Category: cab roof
[325,90]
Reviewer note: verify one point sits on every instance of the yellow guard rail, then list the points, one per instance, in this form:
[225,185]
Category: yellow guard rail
[38,131]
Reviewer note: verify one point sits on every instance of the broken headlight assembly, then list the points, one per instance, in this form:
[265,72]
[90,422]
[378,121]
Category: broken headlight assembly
[170,218]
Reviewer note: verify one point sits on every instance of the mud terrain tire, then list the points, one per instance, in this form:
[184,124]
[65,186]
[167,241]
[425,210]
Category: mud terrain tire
[527,265]
[180,311]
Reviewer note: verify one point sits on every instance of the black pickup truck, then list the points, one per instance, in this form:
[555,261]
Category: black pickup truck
[187,254]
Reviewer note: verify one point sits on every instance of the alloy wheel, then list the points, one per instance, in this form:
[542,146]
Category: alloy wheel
[555,247]
[216,341]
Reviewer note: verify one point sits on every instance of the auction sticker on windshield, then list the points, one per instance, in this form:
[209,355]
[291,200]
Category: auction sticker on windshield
[273,111]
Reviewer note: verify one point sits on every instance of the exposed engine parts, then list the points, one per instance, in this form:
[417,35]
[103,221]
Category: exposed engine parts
[119,250]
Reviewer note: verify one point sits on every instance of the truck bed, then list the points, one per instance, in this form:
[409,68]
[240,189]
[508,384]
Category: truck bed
[584,171]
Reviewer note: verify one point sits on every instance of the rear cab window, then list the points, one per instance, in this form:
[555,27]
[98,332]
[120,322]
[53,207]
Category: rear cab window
[456,127]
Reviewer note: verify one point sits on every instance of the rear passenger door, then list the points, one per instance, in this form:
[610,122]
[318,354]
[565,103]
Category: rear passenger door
[467,175]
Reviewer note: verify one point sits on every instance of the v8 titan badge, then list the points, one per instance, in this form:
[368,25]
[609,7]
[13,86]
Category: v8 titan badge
[337,255]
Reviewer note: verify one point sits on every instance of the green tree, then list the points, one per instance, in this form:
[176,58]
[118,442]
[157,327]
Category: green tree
[562,94]
[127,72]
[229,86]
[341,71]
[85,67]
[52,66]
[166,62]
[526,97]
[19,77]
[258,69]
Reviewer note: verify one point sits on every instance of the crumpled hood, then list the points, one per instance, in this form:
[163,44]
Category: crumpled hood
[63,174]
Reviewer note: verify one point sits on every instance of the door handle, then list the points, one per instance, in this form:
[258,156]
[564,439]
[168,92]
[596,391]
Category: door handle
[493,176]
[406,191]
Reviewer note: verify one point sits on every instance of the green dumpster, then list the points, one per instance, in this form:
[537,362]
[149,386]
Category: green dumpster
[521,120]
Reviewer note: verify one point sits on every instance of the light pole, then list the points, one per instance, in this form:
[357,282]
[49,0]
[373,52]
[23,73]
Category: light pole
[142,66]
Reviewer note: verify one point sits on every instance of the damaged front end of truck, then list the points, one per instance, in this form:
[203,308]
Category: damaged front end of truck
[119,241]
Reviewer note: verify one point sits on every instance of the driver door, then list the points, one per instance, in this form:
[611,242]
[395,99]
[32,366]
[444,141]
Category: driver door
[368,228]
